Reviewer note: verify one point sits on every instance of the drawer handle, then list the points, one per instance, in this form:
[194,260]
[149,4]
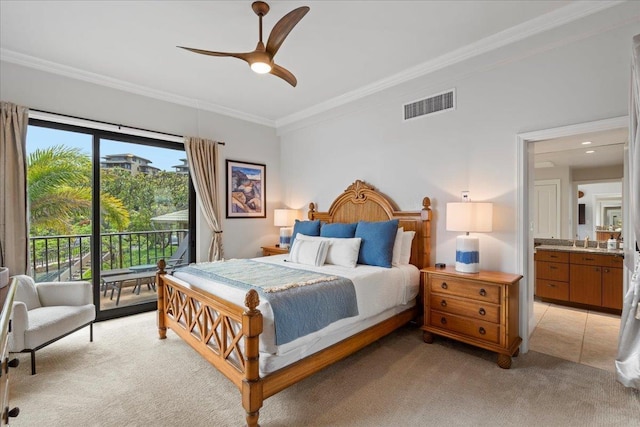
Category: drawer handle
[596,269]
[443,320]
[553,267]
[482,312]
[482,330]
[589,259]
[444,285]
[553,256]
[443,303]
[551,285]
[483,292]
[606,270]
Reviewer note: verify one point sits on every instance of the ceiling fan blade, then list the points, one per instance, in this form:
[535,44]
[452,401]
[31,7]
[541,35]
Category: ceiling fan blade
[244,56]
[284,74]
[282,29]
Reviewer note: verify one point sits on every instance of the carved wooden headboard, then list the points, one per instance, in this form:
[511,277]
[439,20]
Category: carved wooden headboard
[362,202]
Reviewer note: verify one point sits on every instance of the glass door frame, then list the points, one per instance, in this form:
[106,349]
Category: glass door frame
[97,136]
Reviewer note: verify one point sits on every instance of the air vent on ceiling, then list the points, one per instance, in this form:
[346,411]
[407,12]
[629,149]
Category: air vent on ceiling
[437,103]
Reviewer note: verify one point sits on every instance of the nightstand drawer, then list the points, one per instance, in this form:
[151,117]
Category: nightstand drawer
[465,288]
[465,307]
[485,331]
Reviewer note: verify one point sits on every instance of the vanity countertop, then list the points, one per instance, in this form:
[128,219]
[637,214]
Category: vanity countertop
[592,250]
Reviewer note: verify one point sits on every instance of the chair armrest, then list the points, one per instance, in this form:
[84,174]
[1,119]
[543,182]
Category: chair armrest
[65,293]
[19,324]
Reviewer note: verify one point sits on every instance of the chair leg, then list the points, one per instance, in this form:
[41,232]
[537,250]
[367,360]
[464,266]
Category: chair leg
[33,362]
[91,332]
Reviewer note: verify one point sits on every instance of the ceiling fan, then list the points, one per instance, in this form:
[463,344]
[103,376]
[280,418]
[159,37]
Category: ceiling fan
[261,59]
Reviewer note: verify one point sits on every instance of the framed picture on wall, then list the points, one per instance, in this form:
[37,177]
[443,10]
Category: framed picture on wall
[246,187]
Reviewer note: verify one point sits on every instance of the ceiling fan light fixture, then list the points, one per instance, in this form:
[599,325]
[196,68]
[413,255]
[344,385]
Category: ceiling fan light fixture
[260,67]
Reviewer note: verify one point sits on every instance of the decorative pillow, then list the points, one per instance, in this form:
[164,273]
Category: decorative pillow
[397,247]
[342,230]
[310,228]
[377,242]
[309,252]
[405,252]
[343,252]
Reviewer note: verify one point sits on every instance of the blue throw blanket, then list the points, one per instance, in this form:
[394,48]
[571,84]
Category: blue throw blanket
[302,301]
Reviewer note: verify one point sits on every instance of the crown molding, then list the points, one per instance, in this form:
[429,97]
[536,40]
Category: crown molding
[99,79]
[564,15]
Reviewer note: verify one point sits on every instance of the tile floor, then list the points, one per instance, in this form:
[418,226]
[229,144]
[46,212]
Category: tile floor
[581,336]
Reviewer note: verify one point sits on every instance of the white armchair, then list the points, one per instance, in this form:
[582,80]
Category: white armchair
[45,312]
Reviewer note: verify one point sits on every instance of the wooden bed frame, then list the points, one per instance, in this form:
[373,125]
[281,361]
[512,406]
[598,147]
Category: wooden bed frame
[214,326]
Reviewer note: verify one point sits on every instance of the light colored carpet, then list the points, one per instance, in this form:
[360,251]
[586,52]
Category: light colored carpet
[128,377]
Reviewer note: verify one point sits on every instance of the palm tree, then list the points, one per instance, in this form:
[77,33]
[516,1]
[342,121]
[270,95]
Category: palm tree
[59,189]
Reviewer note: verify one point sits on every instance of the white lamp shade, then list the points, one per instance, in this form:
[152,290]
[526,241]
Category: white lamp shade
[470,217]
[285,217]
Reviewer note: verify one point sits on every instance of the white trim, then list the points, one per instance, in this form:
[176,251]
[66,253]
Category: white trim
[99,79]
[573,11]
[91,124]
[558,17]
[524,256]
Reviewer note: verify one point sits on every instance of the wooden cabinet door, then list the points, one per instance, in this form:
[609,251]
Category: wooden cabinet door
[585,284]
[612,287]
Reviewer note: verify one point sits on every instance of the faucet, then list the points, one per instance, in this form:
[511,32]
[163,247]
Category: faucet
[586,241]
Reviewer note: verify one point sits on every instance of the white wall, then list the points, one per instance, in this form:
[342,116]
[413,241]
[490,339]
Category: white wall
[244,141]
[574,74]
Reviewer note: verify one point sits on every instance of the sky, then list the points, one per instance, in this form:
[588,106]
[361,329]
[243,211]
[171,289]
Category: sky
[162,158]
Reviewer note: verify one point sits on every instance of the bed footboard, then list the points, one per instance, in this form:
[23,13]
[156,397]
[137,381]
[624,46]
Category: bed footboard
[224,333]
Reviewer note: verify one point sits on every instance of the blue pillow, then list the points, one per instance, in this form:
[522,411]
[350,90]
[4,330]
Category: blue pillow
[378,238]
[338,229]
[310,228]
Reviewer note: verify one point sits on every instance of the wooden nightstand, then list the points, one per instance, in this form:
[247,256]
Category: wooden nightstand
[273,250]
[480,309]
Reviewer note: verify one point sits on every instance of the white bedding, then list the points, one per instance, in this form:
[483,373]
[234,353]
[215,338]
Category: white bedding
[380,292]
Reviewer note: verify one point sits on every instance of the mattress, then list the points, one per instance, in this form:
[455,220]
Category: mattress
[381,293]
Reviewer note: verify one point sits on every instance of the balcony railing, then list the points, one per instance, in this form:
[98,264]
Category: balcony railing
[59,258]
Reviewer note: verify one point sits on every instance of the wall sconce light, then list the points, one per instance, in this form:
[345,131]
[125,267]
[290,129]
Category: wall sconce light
[469,217]
[285,218]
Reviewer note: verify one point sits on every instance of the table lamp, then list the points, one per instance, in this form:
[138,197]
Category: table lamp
[469,217]
[285,218]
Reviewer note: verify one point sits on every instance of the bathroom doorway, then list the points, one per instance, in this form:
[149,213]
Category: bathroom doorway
[532,313]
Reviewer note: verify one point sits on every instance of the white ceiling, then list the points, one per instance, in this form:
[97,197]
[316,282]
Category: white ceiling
[341,50]
[607,150]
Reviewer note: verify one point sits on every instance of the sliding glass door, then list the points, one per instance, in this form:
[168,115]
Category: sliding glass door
[106,207]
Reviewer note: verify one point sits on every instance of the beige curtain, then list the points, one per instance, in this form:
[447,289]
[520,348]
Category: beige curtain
[202,155]
[628,358]
[13,188]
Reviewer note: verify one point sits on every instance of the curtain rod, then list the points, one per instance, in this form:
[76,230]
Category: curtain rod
[114,124]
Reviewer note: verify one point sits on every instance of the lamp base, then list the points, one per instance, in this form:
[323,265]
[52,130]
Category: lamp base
[285,237]
[467,254]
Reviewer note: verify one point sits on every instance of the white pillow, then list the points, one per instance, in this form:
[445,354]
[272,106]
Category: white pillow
[309,252]
[342,251]
[405,252]
[397,247]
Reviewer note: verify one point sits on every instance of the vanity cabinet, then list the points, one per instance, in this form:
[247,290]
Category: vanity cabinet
[579,277]
[552,275]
